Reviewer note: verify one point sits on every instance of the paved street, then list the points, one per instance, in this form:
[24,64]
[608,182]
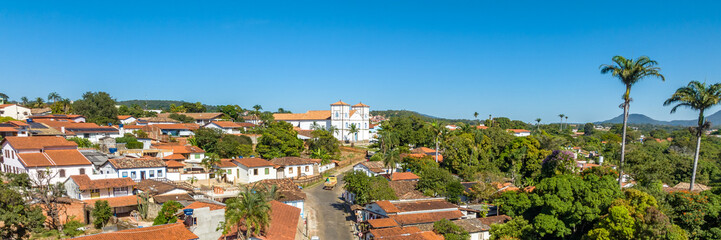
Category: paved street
[326,214]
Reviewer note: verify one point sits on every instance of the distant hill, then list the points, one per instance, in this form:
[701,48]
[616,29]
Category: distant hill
[424,117]
[636,118]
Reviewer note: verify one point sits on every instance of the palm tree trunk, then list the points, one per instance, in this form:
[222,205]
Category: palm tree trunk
[623,142]
[695,158]
[436,149]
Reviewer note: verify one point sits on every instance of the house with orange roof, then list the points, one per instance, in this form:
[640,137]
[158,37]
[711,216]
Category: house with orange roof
[126,119]
[519,132]
[172,231]
[411,212]
[284,221]
[402,176]
[340,116]
[247,170]
[82,187]
[136,169]
[398,233]
[14,111]
[203,219]
[14,128]
[54,156]
[59,117]
[230,127]
[90,131]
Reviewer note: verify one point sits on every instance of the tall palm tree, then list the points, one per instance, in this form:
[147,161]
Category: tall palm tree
[697,96]
[538,123]
[39,102]
[24,100]
[475,115]
[251,209]
[560,125]
[391,159]
[53,97]
[566,121]
[437,128]
[629,71]
[353,129]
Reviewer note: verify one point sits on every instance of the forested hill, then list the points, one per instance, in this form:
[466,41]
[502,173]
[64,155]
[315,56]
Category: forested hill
[160,104]
[424,117]
[635,118]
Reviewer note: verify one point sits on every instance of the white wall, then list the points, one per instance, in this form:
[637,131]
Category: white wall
[299,204]
[308,172]
[207,223]
[326,167]
[12,163]
[119,173]
[15,111]
[251,177]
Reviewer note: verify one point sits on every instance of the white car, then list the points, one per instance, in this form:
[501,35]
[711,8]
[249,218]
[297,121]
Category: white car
[314,238]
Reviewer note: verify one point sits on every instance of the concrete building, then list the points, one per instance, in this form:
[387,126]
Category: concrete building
[136,169]
[205,219]
[14,111]
[340,116]
[53,156]
[293,167]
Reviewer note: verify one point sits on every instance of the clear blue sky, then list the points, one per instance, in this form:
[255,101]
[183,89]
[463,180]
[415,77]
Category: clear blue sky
[521,59]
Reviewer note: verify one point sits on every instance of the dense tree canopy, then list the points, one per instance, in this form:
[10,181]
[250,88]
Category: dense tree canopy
[97,107]
[279,140]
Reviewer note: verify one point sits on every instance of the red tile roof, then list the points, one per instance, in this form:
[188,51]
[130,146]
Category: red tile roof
[212,206]
[340,103]
[293,161]
[309,115]
[495,219]
[180,148]
[53,158]
[404,176]
[39,142]
[517,130]
[226,163]
[19,123]
[226,124]
[253,162]
[5,105]
[422,205]
[387,206]
[174,164]
[84,182]
[382,223]
[123,201]
[427,217]
[481,127]
[196,116]
[174,231]
[177,126]
[123,117]
[127,163]
[174,156]
[360,105]
[283,221]
[8,129]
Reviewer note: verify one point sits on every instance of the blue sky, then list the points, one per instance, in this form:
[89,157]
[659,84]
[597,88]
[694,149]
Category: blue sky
[520,59]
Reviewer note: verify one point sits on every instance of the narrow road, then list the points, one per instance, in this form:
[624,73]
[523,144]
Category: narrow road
[326,212]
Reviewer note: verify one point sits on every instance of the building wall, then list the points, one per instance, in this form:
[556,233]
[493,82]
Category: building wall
[74,192]
[225,130]
[251,177]
[288,174]
[299,204]
[128,121]
[119,173]
[95,137]
[207,222]
[16,112]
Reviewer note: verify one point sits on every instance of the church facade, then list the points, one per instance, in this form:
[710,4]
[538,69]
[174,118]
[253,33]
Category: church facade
[341,117]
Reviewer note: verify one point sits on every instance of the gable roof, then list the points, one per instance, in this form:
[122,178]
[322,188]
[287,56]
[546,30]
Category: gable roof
[25,143]
[225,124]
[406,190]
[212,206]
[387,206]
[382,223]
[291,161]
[80,127]
[173,231]
[495,219]
[181,149]
[123,117]
[158,119]
[472,225]
[426,217]
[309,115]
[374,166]
[400,176]
[518,130]
[175,197]
[254,162]
[126,163]
[69,157]
[124,201]
[423,205]
[157,187]
[178,126]
[174,164]
[226,163]
[283,221]
[84,182]
[360,104]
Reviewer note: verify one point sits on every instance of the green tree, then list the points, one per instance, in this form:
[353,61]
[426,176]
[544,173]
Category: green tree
[82,142]
[450,231]
[207,138]
[97,107]
[181,118]
[353,130]
[54,97]
[250,210]
[697,96]
[210,162]
[101,214]
[233,146]
[324,140]
[367,189]
[130,141]
[588,129]
[62,106]
[279,140]
[630,71]
[18,216]
[167,213]
[391,159]
[232,112]
[25,101]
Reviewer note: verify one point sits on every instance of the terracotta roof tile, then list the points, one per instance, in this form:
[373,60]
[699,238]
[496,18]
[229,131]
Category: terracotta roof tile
[175,197]
[254,162]
[309,115]
[382,223]
[174,156]
[517,130]
[35,160]
[158,120]
[427,217]
[422,205]
[196,116]
[177,126]
[123,201]
[495,219]
[174,231]
[291,161]
[212,206]
[406,190]
[226,163]
[360,105]
[400,176]
[69,157]
[472,225]
[19,123]
[387,206]
[123,117]
[174,164]
[157,187]
[84,182]
[39,142]
[284,221]
[182,149]
[125,163]
[340,103]
[8,129]
[226,124]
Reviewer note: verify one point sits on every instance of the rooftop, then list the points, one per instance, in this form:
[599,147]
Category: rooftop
[84,182]
[126,163]
[69,157]
[212,206]
[309,115]
[426,217]
[291,161]
[173,231]
[196,116]
[124,201]
[253,162]
[25,143]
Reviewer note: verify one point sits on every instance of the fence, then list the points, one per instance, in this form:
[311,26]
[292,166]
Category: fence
[307,180]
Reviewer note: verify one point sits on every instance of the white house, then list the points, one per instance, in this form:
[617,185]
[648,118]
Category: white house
[155,120]
[90,131]
[229,127]
[135,168]
[14,111]
[14,128]
[288,191]
[81,187]
[341,116]
[248,170]
[127,119]
[200,118]
[175,130]
[39,154]
[59,117]
[293,167]
[520,132]
[371,168]
[205,219]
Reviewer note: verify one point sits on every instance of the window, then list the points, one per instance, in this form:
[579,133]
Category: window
[336,114]
[62,172]
[125,174]
[255,172]
[133,175]
[151,173]
[87,135]
[197,156]
[307,169]
[82,171]
[267,171]
[160,173]
[290,170]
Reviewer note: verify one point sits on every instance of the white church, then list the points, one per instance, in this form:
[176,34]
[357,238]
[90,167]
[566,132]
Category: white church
[341,116]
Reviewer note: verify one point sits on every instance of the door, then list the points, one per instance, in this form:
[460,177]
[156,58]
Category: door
[142,175]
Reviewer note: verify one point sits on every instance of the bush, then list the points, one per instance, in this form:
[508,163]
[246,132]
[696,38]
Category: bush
[82,142]
[130,141]
[181,118]
[101,214]
[71,228]
[167,212]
